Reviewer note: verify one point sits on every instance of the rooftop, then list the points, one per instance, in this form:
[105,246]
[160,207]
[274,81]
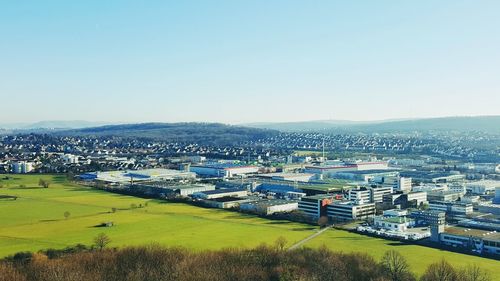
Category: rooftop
[223,166]
[273,202]
[222,191]
[485,234]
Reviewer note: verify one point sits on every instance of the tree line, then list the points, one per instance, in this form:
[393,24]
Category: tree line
[273,263]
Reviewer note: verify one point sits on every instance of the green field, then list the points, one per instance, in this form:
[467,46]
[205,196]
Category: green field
[36,221]
[418,257]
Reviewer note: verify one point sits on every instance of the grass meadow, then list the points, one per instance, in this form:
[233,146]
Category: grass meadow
[35,221]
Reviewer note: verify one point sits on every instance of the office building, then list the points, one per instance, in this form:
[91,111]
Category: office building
[347,210]
[315,206]
[443,195]
[451,208]
[403,184]
[269,207]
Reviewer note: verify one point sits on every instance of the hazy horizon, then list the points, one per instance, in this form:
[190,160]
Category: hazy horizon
[247,62]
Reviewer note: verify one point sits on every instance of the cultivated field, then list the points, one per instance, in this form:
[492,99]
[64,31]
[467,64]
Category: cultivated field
[36,221]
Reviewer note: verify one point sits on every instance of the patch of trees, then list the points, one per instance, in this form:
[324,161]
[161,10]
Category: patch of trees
[156,263]
[204,133]
[44,183]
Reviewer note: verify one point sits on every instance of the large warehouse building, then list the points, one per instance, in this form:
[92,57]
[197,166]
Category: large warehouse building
[225,170]
[128,176]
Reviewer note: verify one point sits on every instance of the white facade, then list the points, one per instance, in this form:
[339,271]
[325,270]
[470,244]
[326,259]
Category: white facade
[376,165]
[357,194]
[482,187]
[21,167]
[350,210]
[70,158]
[269,207]
[224,172]
[403,184]
[399,224]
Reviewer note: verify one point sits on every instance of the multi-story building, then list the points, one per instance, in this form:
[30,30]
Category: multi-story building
[482,187]
[315,206]
[347,210]
[21,167]
[359,193]
[406,200]
[403,184]
[399,224]
[443,195]
[269,207]
[428,217]
[451,208]
[369,194]
[476,240]
[377,193]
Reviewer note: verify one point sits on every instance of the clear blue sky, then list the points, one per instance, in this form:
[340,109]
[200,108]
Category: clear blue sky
[245,61]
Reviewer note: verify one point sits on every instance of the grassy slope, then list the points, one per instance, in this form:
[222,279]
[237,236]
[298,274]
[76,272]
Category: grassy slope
[418,257]
[35,221]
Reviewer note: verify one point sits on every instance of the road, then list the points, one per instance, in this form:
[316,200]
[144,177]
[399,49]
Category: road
[307,239]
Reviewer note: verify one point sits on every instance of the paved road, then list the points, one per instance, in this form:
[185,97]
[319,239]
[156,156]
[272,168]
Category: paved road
[303,241]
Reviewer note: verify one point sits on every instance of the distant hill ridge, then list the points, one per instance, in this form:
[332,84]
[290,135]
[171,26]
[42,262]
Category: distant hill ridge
[205,133]
[490,124]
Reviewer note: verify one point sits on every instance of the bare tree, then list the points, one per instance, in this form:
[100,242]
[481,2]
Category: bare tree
[323,221]
[101,241]
[473,273]
[440,271]
[44,183]
[396,266]
[280,243]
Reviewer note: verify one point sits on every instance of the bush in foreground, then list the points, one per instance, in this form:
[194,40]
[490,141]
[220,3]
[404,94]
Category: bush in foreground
[156,263]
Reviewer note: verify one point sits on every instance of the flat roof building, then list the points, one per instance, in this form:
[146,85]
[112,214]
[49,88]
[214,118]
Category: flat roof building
[269,207]
[451,208]
[293,177]
[347,210]
[443,195]
[315,206]
[224,170]
[476,240]
[130,176]
[219,193]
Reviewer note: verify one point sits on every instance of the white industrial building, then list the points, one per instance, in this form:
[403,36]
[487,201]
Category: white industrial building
[219,193]
[369,194]
[269,207]
[21,167]
[348,210]
[403,184]
[132,176]
[479,241]
[186,190]
[399,224]
[224,170]
[458,208]
[315,206]
[294,177]
[482,187]
[70,158]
